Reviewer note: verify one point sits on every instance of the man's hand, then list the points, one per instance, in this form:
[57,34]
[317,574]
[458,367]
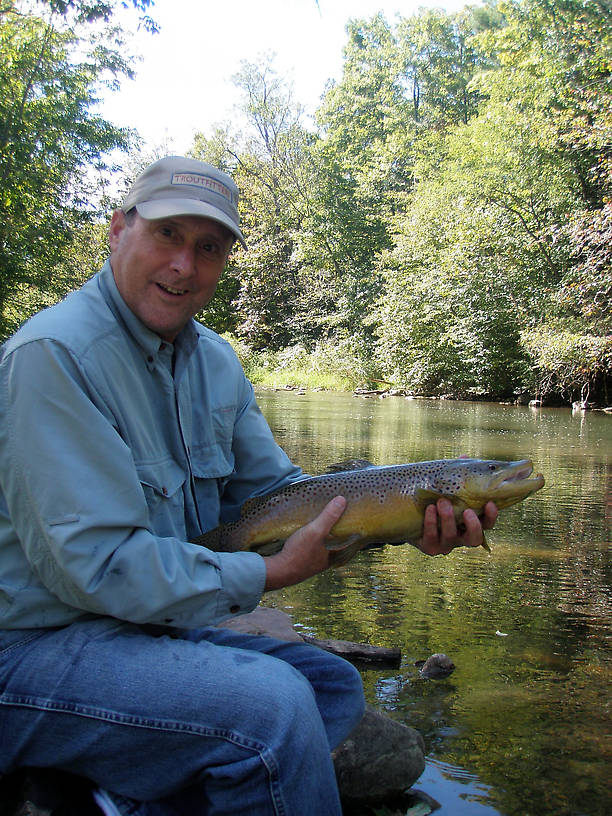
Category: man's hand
[304,553]
[440,532]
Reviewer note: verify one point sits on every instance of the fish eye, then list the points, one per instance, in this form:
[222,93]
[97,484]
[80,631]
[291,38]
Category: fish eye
[492,467]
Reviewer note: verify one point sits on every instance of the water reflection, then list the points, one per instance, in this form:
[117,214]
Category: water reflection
[523,724]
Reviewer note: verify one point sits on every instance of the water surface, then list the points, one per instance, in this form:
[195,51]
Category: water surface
[523,724]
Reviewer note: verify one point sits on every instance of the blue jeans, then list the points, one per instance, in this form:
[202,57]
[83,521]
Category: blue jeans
[207,721]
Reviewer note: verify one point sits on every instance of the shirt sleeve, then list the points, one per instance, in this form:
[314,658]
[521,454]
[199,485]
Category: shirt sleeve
[79,511]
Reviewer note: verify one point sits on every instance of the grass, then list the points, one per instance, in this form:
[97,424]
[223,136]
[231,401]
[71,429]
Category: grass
[329,366]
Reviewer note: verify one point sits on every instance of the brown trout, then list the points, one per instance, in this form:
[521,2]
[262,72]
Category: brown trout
[384,504]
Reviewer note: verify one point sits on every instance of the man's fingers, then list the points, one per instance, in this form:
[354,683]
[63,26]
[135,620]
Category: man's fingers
[430,541]
[473,536]
[489,517]
[446,515]
[330,514]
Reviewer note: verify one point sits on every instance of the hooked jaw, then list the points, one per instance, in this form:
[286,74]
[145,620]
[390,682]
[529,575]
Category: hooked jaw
[513,483]
[512,472]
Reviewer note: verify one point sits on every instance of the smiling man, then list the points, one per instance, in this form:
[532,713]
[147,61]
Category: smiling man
[168,250]
[126,430]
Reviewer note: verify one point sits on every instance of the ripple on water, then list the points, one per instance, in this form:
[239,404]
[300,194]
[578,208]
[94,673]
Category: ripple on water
[459,792]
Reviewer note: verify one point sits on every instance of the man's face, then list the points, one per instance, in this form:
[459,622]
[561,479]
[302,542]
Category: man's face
[167,269]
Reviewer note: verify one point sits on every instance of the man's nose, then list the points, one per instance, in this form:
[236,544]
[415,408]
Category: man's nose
[183,260]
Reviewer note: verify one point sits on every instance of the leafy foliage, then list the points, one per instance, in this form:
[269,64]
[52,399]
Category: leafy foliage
[52,147]
[444,224]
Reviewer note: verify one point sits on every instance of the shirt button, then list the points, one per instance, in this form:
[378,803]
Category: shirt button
[234,608]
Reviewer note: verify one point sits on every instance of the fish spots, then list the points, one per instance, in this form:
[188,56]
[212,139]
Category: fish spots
[383,503]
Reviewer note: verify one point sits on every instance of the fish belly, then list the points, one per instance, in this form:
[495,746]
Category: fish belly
[366,519]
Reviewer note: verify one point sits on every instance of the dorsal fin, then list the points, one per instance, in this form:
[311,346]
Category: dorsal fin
[349,464]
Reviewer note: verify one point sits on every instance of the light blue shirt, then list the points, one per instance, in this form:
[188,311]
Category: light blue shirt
[117,448]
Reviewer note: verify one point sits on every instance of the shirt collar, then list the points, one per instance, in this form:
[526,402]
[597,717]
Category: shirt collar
[149,342]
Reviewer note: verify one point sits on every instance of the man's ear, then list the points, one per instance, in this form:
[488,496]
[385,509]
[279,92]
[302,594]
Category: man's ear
[117,225]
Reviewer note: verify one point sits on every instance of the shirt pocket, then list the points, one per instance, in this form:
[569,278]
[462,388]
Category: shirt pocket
[212,458]
[212,466]
[162,485]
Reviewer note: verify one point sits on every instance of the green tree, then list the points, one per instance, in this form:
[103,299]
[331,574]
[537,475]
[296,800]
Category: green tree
[53,173]
[567,46]
[402,89]
[500,238]
[258,296]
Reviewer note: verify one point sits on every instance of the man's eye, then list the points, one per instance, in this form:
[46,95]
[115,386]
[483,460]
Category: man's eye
[209,248]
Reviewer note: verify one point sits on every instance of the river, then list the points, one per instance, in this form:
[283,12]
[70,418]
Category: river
[522,727]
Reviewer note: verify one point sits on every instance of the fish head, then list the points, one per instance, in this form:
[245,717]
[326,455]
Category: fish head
[477,481]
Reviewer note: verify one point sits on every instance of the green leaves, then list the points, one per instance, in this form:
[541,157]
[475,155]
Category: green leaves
[52,148]
[449,211]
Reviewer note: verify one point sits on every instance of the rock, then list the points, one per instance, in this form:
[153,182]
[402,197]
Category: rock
[438,665]
[379,760]
[264,621]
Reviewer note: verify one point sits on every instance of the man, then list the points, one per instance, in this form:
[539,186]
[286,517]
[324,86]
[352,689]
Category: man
[127,429]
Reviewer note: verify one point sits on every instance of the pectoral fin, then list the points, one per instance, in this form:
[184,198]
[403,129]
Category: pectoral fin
[424,496]
[341,554]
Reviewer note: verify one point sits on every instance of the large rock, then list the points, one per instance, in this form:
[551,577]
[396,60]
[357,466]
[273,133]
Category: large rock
[380,760]
[264,621]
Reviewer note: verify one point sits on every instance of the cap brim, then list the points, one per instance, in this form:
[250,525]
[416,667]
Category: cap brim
[167,207]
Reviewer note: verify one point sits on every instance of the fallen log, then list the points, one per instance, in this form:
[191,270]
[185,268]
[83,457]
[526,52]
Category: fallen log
[275,623]
[359,652]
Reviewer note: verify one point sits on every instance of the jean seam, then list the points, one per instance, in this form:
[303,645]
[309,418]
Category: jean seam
[19,643]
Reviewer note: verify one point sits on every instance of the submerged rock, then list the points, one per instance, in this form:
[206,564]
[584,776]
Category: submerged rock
[437,666]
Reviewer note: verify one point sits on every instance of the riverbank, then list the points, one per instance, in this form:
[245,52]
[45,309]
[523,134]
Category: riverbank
[339,367]
[272,383]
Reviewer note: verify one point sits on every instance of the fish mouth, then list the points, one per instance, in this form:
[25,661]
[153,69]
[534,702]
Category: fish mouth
[516,474]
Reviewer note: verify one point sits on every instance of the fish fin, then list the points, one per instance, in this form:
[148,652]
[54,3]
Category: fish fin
[339,556]
[425,496]
[339,544]
[349,464]
[269,547]
[485,543]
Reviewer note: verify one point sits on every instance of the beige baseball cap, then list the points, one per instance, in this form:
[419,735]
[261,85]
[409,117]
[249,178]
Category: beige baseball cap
[176,185]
